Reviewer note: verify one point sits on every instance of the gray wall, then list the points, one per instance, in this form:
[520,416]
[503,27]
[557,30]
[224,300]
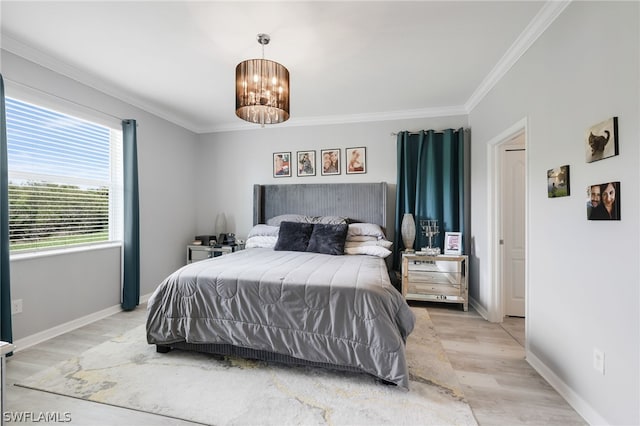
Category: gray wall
[230,163]
[64,287]
[582,276]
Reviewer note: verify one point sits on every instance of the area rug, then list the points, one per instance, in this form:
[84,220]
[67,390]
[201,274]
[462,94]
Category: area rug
[127,372]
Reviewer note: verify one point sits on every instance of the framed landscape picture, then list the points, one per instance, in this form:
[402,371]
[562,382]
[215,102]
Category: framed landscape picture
[558,182]
[356,159]
[282,164]
[306,163]
[330,159]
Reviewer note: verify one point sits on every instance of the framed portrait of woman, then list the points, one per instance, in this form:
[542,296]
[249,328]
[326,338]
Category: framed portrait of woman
[306,163]
[330,162]
[281,164]
[356,159]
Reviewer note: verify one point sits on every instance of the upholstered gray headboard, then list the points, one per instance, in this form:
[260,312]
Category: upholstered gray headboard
[362,202]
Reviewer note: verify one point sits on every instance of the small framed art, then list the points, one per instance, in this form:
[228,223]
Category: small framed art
[558,184]
[330,161]
[306,163]
[356,159]
[453,243]
[282,164]
[604,201]
[601,140]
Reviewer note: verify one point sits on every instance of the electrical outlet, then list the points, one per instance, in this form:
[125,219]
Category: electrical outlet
[16,306]
[598,360]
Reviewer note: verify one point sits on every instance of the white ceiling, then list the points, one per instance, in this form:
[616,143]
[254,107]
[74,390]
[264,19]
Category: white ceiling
[348,61]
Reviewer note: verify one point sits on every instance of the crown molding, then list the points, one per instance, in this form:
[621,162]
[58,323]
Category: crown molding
[45,60]
[346,119]
[538,25]
[547,14]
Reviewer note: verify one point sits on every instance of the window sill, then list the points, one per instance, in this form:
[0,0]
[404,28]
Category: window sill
[62,251]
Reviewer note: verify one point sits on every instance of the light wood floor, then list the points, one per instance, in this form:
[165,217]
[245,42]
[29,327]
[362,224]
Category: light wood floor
[501,388]
[489,359]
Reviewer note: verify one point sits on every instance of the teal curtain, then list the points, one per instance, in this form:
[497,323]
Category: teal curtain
[432,184]
[131,250]
[6,333]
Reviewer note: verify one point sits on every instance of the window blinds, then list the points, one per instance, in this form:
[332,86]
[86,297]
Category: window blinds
[65,179]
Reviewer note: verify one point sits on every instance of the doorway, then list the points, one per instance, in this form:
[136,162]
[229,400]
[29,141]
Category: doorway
[512,225]
[507,226]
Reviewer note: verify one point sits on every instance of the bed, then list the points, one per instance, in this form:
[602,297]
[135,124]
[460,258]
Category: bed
[294,306]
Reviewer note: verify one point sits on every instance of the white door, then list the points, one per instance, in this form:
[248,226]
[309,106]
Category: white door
[513,228]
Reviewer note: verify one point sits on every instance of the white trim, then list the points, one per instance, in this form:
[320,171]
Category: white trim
[587,412]
[34,339]
[538,25]
[31,95]
[26,255]
[495,309]
[547,14]
[54,64]
[343,119]
[479,308]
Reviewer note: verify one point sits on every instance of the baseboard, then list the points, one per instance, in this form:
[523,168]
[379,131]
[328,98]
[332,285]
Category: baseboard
[52,332]
[479,308]
[587,412]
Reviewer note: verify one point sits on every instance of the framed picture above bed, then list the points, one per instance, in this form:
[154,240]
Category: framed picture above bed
[356,159]
[306,165]
[282,164]
[330,159]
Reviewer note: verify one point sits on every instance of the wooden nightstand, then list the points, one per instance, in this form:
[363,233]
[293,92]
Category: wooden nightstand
[436,278]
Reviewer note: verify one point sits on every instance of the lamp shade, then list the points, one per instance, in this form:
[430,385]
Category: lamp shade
[221,223]
[262,91]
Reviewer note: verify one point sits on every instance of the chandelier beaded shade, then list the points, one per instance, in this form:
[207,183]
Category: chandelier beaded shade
[262,89]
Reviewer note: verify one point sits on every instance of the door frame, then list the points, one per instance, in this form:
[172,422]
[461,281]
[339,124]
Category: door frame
[495,308]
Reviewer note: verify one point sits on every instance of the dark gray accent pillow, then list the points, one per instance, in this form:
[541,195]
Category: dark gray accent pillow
[328,238]
[293,236]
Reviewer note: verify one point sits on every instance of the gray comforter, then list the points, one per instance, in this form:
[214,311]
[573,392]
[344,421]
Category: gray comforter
[340,310]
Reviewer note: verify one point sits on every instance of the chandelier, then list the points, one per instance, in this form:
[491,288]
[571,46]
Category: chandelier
[262,89]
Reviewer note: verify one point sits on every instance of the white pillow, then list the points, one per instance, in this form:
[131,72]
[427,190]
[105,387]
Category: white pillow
[261,241]
[361,238]
[277,220]
[365,229]
[263,230]
[368,250]
[382,243]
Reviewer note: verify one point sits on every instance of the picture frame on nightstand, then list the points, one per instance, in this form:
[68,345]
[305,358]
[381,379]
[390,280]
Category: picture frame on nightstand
[453,243]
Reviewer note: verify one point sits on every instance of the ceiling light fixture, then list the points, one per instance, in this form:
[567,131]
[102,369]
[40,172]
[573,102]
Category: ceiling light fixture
[262,89]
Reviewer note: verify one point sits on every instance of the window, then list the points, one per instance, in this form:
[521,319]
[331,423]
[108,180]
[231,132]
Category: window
[65,179]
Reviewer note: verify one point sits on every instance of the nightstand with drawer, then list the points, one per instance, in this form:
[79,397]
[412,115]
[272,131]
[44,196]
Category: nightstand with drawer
[441,278]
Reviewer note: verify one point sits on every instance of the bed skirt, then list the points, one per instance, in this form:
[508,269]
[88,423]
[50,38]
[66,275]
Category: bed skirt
[248,353]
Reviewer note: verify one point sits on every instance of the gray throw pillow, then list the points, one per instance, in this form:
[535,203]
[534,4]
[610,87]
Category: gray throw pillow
[328,238]
[293,236]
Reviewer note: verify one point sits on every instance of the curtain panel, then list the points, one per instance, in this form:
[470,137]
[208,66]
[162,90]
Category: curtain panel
[432,183]
[131,246]
[6,333]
